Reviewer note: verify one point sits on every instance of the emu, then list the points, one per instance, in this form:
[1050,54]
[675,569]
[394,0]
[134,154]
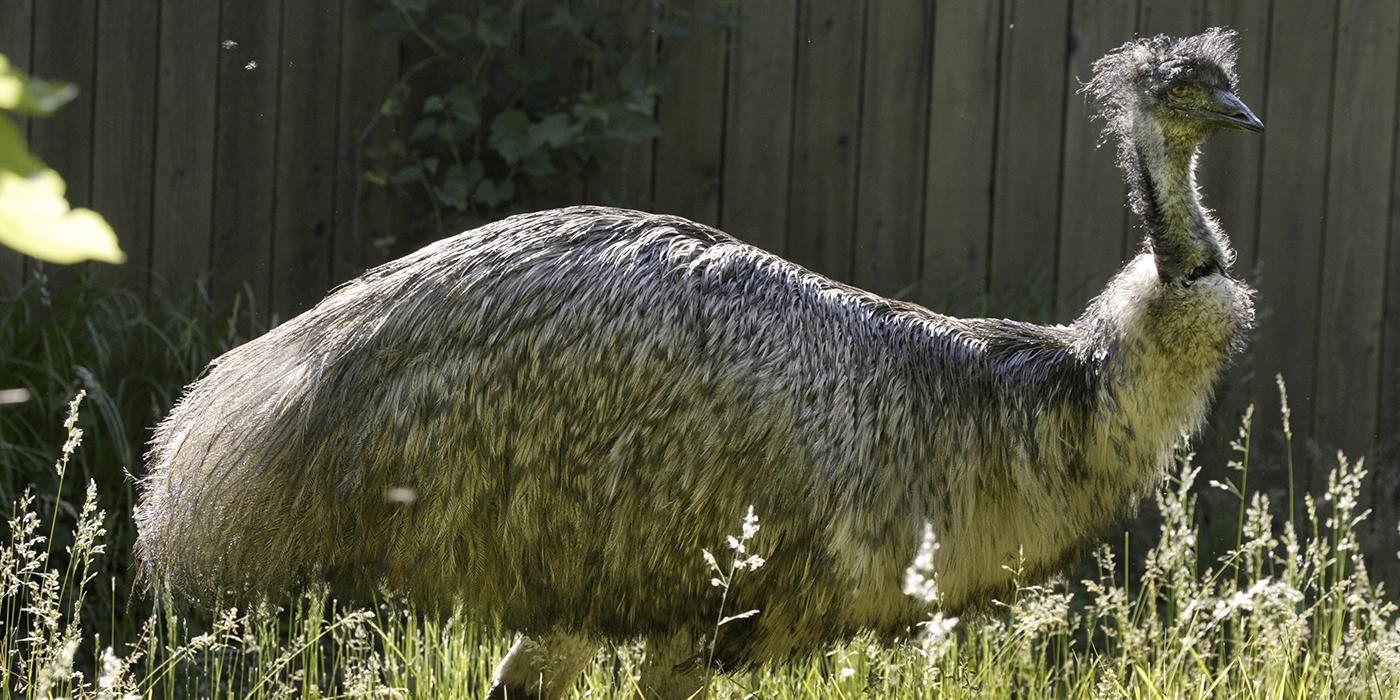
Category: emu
[579,400]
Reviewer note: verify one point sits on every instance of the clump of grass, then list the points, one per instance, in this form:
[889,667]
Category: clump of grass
[1289,612]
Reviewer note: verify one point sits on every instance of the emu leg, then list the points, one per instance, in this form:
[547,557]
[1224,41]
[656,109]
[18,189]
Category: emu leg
[671,670]
[541,669]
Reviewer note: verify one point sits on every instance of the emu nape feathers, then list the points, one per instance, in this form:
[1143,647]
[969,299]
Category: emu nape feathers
[549,416]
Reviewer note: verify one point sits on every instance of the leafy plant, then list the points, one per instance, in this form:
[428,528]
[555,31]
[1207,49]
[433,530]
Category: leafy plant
[35,218]
[489,124]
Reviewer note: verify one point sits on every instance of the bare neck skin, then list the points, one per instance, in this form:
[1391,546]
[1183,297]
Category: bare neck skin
[1184,238]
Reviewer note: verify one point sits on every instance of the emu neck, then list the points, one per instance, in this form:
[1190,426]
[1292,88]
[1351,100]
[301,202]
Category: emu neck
[1162,175]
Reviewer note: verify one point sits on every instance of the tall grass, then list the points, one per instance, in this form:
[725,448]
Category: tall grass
[1287,613]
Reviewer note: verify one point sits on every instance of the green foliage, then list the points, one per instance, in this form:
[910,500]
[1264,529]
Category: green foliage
[35,218]
[506,109]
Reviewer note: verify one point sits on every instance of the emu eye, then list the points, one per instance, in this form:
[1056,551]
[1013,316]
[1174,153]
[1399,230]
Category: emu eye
[1180,91]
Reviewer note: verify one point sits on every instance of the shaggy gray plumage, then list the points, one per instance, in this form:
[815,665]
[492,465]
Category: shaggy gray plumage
[549,416]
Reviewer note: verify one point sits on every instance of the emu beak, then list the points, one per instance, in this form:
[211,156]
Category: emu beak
[1232,112]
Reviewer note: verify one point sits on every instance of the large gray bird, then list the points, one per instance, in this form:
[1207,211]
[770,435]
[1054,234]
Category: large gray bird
[548,418]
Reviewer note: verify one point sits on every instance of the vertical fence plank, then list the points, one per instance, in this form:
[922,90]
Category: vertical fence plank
[688,159]
[1029,134]
[369,66]
[1354,240]
[245,146]
[821,211]
[625,173]
[1292,210]
[893,126]
[65,43]
[758,125]
[186,101]
[1386,485]
[124,129]
[1170,17]
[961,140]
[1230,169]
[16,41]
[1093,209]
[306,146]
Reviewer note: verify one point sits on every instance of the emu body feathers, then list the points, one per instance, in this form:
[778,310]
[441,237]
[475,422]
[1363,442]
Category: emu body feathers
[579,400]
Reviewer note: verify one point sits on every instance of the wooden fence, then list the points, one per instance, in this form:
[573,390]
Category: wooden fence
[934,150]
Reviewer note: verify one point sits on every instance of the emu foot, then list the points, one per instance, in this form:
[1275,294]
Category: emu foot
[541,670]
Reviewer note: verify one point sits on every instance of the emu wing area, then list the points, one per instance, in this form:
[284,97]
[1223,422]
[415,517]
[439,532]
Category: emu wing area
[551,415]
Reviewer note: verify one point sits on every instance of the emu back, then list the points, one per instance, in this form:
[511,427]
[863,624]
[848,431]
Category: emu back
[548,417]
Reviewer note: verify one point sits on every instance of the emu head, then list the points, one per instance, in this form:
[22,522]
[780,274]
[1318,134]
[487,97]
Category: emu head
[1185,88]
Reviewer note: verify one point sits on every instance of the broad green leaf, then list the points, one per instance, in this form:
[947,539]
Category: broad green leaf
[555,130]
[407,175]
[628,125]
[423,129]
[496,27]
[561,18]
[21,93]
[387,22]
[510,135]
[453,28]
[36,220]
[492,193]
[393,104]
[457,184]
[376,177]
[538,164]
[413,6]
[527,70]
[462,104]
[14,155]
[455,132]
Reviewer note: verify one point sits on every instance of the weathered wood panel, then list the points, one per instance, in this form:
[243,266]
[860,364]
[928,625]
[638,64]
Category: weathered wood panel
[758,125]
[124,130]
[369,65]
[1093,209]
[245,175]
[1030,130]
[306,155]
[1230,168]
[65,46]
[1170,17]
[1385,485]
[821,218]
[187,92]
[1292,212]
[890,178]
[16,42]
[1355,236]
[694,107]
[961,141]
